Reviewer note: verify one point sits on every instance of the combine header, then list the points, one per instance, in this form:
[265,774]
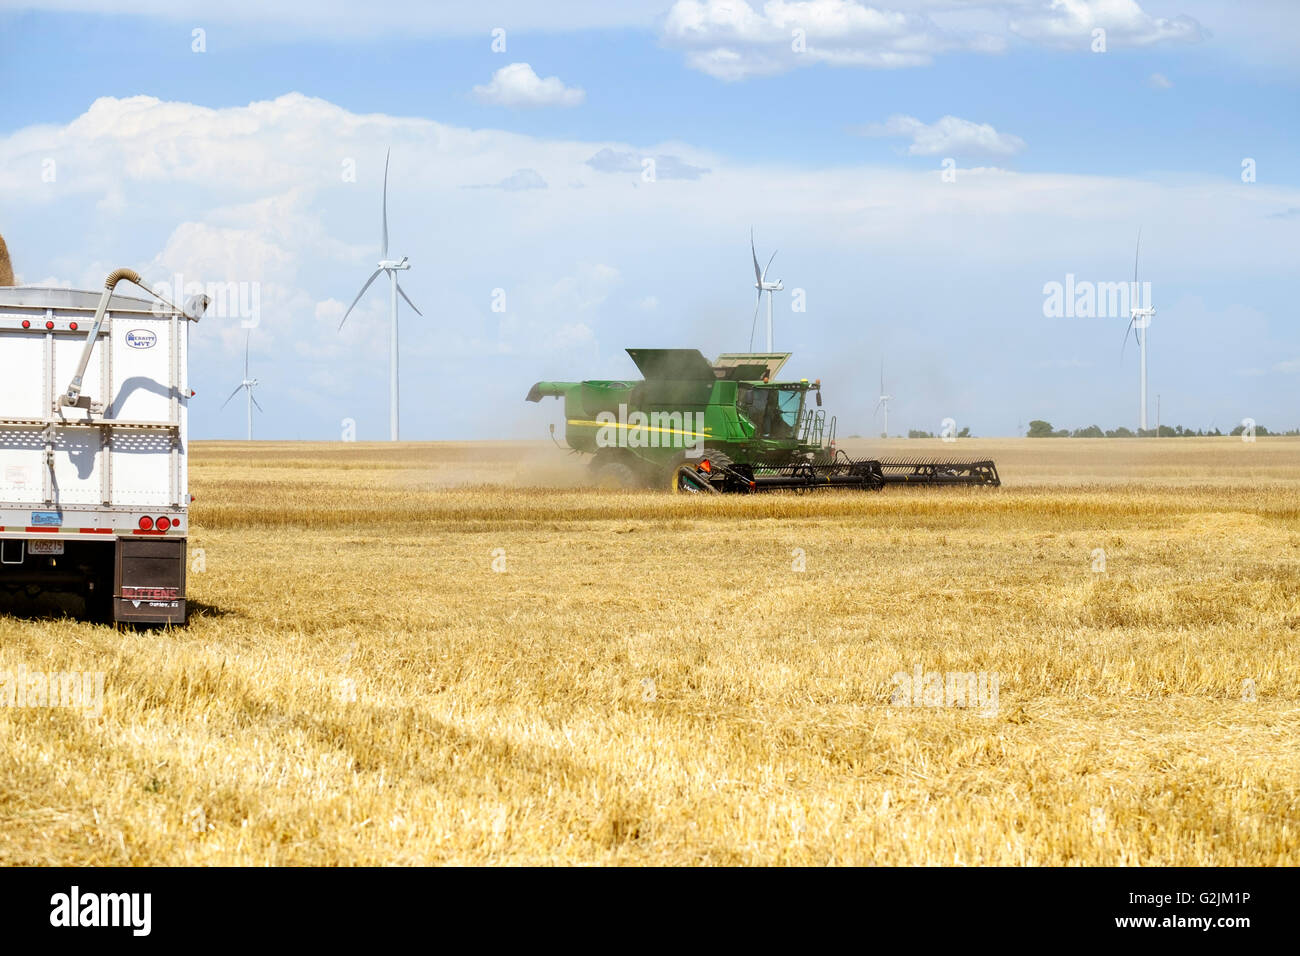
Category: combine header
[692,426]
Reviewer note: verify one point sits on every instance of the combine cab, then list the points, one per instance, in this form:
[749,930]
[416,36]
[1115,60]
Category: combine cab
[730,426]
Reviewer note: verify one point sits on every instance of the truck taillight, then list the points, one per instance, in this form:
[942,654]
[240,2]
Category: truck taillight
[146,523]
[49,325]
[163,523]
[27,323]
[73,326]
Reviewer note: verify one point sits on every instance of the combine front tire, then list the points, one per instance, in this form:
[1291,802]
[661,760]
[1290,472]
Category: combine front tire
[686,480]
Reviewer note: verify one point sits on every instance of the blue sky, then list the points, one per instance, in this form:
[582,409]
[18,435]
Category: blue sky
[225,165]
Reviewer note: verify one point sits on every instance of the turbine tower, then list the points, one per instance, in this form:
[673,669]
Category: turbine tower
[248,384]
[1140,333]
[761,283]
[391,267]
[884,401]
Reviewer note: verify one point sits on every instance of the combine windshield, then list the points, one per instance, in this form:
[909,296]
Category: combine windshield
[774,412]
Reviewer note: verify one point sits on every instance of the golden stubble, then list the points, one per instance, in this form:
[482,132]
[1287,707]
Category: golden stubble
[455,653]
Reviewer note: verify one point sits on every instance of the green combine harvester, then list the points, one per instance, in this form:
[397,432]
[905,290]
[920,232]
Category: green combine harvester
[730,426]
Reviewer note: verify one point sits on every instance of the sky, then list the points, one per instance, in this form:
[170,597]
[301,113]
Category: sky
[572,179]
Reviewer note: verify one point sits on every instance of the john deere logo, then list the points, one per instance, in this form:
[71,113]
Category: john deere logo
[141,339]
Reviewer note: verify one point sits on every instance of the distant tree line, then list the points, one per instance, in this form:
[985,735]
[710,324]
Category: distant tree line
[917,433]
[1041,429]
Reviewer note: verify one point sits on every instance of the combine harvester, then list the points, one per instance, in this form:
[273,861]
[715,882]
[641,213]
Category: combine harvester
[695,427]
[93,485]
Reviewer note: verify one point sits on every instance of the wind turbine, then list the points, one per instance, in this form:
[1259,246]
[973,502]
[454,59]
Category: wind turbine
[247,384]
[884,400]
[391,267]
[1139,332]
[761,283]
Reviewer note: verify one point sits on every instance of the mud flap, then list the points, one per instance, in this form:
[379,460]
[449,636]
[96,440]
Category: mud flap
[149,581]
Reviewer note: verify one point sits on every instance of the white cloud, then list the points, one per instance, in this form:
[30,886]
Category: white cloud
[519,180]
[1159,81]
[731,40]
[254,193]
[735,39]
[330,311]
[518,86]
[587,289]
[1071,22]
[948,136]
[610,160]
[339,18]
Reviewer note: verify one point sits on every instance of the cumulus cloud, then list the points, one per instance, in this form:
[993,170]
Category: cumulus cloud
[736,39]
[948,136]
[586,289]
[610,160]
[1071,22]
[519,87]
[255,193]
[519,180]
[1159,81]
[731,40]
[405,18]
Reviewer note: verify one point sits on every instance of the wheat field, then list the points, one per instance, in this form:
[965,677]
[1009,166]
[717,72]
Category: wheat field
[458,653]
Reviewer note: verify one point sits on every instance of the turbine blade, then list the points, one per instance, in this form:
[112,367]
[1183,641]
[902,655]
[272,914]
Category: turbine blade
[758,276]
[766,267]
[383,249]
[1126,332]
[246,335]
[754,324]
[359,295]
[408,300]
[232,395]
[1136,252]
[1133,295]
[255,402]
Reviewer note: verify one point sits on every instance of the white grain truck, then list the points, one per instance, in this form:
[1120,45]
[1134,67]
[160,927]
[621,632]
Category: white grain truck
[94,494]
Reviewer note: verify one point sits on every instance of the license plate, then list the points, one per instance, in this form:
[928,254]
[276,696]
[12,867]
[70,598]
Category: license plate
[44,547]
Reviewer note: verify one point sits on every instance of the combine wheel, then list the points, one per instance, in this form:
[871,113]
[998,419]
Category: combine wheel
[687,481]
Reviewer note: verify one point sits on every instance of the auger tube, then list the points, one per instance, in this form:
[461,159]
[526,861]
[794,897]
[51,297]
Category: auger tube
[73,395]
